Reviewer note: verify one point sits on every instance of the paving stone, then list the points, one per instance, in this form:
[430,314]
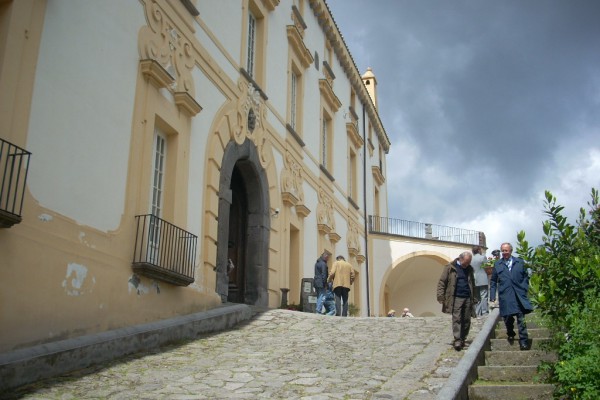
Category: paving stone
[280,354]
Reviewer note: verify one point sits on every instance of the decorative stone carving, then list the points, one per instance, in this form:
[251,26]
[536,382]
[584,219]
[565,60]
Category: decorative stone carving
[161,41]
[251,119]
[353,239]
[292,179]
[325,219]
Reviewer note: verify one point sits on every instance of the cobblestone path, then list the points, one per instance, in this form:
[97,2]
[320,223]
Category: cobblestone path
[279,354]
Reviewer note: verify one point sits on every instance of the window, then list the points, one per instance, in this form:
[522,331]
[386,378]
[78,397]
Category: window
[299,59]
[158,169]
[293,99]
[253,54]
[157,194]
[328,53]
[376,201]
[251,45]
[352,179]
[326,142]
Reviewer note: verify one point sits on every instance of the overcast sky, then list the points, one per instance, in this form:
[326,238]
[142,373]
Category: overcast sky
[487,105]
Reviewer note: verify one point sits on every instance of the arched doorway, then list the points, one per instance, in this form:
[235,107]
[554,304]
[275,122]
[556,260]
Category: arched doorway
[412,283]
[243,227]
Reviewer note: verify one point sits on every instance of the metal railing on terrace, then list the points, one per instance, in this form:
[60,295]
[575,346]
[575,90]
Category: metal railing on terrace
[421,230]
[164,251]
[14,165]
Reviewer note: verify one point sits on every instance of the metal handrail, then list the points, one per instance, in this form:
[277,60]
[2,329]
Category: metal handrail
[422,230]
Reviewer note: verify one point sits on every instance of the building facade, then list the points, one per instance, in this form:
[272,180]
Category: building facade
[161,157]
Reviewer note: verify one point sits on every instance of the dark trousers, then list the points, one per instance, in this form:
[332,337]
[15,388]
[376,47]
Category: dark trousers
[509,322]
[341,294]
[461,317]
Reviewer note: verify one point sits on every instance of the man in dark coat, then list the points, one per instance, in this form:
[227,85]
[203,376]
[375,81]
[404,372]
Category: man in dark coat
[320,281]
[456,292]
[512,279]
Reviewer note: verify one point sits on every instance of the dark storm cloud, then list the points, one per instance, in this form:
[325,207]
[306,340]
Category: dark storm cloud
[482,93]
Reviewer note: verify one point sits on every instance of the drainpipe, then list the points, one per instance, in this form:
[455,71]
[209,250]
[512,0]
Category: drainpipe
[365,207]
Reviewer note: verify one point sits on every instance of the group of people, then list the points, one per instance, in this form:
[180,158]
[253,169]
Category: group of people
[463,292]
[333,287]
[405,313]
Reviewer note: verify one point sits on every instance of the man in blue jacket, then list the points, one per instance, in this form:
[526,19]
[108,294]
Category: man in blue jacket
[320,281]
[512,280]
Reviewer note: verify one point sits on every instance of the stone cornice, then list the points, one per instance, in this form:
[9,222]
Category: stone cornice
[298,46]
[270,4]
[354,136]
[186,102]
[156,74]
[377,175]
[329,96]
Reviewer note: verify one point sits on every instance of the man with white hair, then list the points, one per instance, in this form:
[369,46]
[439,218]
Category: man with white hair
[456,293]
[511,277]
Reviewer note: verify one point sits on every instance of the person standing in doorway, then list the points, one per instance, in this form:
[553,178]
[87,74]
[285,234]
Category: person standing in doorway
[512,280]
[481,282]
[320,280]
[342,276]
[456,293]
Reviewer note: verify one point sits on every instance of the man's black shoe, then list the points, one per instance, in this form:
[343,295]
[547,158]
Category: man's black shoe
[523,346]
[458,345]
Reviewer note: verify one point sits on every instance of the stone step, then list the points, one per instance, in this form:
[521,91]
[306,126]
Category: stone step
[531,323]
[520,373]
[533,333]
[516,358]
[517,391]
[513,345]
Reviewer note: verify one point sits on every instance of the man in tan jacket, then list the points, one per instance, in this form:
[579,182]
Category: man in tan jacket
[342,276]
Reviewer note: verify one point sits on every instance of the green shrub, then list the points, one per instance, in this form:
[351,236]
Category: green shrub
[353,310]
[565,287]
[578,371]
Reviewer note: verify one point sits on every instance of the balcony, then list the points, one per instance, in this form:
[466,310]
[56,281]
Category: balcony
[164,251]
[420,230]
[14,165]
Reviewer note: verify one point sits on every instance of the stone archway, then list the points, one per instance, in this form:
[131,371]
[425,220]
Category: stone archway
[251,188]
[411,282]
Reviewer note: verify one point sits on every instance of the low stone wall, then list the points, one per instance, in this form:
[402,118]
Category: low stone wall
[31,364]
[465,373]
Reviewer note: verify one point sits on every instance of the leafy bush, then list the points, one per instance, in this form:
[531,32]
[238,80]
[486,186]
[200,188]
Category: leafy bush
[565,287]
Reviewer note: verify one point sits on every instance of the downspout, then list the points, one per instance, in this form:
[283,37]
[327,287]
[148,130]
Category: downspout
[365,208]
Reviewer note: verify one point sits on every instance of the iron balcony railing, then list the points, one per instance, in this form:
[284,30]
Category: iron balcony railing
[164,251]
[14,165]
[421,230]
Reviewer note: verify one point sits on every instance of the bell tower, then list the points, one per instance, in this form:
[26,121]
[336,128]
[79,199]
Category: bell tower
[370,83]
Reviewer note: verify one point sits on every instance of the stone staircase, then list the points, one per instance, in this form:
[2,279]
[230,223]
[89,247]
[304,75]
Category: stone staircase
[510,373]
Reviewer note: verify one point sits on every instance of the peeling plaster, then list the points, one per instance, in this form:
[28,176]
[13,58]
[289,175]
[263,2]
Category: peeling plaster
[135,284]
[83,240]
[75,280]
[45,217]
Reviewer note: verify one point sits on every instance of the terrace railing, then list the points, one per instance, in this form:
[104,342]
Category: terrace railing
[164,251]
[14,165]
[421,230]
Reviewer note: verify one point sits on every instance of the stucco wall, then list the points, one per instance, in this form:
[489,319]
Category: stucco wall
[81,109]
